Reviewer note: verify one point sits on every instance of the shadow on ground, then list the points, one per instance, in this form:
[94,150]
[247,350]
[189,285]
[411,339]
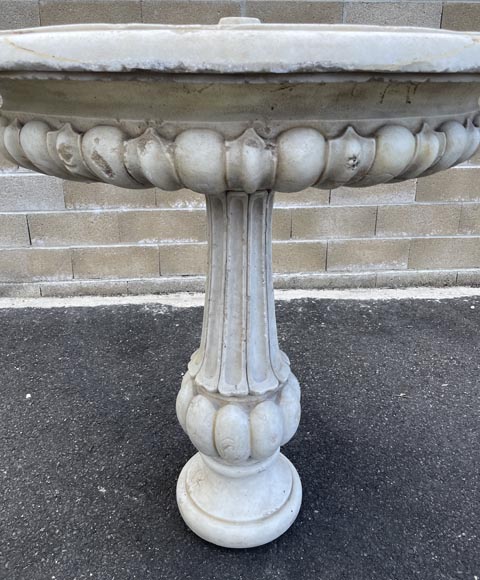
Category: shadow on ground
[388,449]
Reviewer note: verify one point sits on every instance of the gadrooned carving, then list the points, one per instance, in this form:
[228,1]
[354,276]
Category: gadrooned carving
[239,430]
[204,161]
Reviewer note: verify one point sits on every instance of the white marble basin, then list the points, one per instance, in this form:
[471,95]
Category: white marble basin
[237,111]
[256,96]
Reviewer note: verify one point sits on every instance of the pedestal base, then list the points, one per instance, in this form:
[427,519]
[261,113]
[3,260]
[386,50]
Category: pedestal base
[239,506]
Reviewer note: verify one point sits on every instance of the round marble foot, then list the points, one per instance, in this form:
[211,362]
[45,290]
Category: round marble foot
[239,506]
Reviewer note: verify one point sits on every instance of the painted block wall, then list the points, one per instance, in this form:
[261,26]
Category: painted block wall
[63,238]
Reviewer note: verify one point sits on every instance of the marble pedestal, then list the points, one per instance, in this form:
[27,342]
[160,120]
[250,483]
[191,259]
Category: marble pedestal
[239,401]
[236,111]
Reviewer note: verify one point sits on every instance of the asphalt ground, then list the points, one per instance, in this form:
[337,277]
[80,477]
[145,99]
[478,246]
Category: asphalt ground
[388,448]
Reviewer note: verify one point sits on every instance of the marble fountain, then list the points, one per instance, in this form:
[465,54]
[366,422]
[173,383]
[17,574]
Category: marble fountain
[237,111]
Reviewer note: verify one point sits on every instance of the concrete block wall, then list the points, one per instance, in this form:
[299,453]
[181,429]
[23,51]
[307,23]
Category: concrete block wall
[63,238]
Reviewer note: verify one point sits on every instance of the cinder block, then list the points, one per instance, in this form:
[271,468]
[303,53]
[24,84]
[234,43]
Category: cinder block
[443,253]
[82,228]
[367,254]
[468,278]
[103,196]
[409,278]
[299,256]
[30,192]
[35,264]
[470,219]
[84,288]
[110,262]
[189,11]
[19,14]
[183,259]
[307,197]
[13,230]
[403,192]
[281,224]
[79,11]
[461,15]
[324,280]
[167,285]
[150,226]
[295,11]
[20,290]
[181,199]
[333,222]
[418,220]
[458,184]
[394,13]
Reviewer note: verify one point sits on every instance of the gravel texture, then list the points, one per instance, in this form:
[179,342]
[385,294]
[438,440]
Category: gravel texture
[388,448]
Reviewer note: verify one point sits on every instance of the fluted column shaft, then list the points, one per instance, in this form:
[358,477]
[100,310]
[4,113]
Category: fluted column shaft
[239,353]
[239,401]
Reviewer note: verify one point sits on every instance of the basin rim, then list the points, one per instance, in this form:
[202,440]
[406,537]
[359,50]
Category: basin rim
[255,48]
